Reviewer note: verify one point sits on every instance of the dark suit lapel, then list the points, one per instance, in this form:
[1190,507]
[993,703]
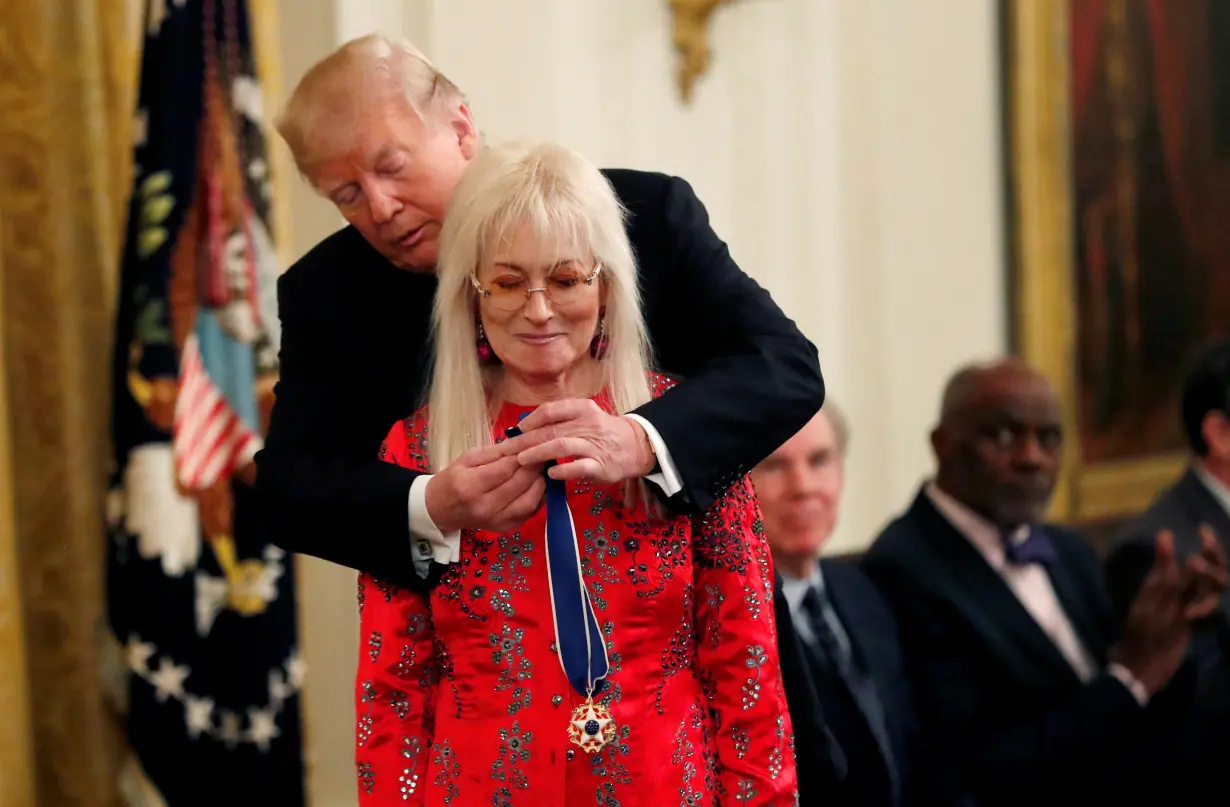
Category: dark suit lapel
[844,600]
[1203,507]
[990,605]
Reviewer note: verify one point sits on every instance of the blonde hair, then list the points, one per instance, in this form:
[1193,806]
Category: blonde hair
[319,115]
[564,200]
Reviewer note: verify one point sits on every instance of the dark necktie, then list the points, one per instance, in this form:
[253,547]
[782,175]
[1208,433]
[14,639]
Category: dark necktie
[833,652]
[838,660]
[579,641]
[1036,548]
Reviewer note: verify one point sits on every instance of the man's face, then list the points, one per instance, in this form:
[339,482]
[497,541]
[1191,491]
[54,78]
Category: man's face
[1002,454]
[395,181]
[799,487]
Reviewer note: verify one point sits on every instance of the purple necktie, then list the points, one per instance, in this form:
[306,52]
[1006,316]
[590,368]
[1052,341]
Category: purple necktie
[1036,548]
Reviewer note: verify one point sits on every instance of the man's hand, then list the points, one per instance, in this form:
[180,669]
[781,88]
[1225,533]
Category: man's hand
[1208,577]
[1156,633]
[485,488]
[603,447]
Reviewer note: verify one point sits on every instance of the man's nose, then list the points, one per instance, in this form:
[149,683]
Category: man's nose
[384,205]
[1030,452]
[801,480]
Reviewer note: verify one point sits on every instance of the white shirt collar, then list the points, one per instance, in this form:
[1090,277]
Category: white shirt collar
[1219,491]
[794,589]
[981,533]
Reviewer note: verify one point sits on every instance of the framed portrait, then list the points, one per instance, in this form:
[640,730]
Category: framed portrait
[1117,139]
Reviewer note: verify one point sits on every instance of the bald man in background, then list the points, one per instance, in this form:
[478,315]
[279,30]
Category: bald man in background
[1020,672]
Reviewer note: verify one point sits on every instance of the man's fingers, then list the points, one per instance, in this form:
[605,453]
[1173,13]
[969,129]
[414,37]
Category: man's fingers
[515,445]
[1161,582]
[554,449]
[1200,610]
[1207,575]
[557,412]
[526,503]
[1163,551]
[582,468]
[1211,548]
[479,480]
[485,455]
[517,483]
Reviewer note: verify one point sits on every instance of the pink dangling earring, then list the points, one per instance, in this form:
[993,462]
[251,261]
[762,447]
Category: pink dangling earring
[485,354]
[599,345]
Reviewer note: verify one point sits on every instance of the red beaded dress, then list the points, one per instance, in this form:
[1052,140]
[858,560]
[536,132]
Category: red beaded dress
[462,699]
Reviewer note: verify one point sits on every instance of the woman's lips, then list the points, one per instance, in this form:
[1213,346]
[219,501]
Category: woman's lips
[540,338]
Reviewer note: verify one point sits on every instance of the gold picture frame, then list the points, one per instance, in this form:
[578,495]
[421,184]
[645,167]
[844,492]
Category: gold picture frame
[1042,245]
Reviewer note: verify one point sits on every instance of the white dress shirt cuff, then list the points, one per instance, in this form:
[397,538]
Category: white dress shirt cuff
[427,542]
[667,477]
[1130,681]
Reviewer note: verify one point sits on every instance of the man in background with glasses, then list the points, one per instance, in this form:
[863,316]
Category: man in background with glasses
[385,136]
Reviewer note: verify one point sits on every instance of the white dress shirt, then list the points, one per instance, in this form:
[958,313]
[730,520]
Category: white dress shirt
[428,542]
[1219,491]
[1032,586]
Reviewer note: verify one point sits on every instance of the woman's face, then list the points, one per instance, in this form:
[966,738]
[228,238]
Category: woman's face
[544,337]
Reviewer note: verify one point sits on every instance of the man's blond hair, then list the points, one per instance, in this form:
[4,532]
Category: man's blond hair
[316,121]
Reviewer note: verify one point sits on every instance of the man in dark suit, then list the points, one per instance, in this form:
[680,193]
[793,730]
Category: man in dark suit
[819,760]
[838,631]
[1196,511]
[1019,671]
[385,136]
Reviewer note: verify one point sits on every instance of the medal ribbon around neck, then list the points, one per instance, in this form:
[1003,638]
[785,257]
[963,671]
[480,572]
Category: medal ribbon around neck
[579,643]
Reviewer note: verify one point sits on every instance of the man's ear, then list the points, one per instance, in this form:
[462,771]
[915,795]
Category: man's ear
[468,138]
[939,442]
[1216,430]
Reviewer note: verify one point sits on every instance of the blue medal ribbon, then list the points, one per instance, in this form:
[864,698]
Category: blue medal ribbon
[578,638]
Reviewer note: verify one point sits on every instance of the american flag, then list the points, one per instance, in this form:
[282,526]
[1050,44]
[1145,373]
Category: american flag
[206,666]
[210,440]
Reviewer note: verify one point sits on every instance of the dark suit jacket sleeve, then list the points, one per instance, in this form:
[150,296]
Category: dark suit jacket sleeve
[751,378]
[319,500]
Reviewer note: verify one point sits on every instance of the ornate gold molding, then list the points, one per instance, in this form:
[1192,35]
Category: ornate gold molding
[16,756]
[1043,245]
[265,33]
[691,39]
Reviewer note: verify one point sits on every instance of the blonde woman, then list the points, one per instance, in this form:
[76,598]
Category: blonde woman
[603,650]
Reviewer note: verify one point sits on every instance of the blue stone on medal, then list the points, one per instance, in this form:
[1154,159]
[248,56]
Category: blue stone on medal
[591,727]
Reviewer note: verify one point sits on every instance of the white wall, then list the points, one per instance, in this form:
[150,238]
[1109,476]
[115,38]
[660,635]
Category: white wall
[847,151]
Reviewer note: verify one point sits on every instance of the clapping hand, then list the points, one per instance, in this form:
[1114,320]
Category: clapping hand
[1157,631]
[1207,577]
